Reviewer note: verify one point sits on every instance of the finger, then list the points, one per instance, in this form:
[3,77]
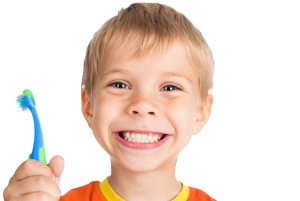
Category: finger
[57,164]
[34,196]
[31,168]
[33,185]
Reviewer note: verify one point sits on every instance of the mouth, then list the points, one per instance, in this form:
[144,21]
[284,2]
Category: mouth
[141,137]
[141,140]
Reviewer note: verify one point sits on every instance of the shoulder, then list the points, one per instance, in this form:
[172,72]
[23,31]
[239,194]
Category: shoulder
[84,193]
[198,195]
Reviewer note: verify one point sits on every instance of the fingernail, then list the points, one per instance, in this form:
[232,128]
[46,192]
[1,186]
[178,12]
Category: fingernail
[53,178]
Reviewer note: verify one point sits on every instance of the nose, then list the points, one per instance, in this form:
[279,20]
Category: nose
[143,107]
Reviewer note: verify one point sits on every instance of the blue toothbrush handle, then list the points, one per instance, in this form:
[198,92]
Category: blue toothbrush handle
[38,151]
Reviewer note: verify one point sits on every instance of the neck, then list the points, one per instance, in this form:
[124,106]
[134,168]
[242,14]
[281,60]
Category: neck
[159,184]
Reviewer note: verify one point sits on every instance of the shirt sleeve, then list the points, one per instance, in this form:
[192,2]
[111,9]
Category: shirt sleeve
[69,196]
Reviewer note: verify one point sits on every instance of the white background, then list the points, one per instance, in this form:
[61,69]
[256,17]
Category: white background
[249,149]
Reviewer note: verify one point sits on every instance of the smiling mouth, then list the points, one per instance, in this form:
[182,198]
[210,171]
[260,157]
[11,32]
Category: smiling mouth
[141,137]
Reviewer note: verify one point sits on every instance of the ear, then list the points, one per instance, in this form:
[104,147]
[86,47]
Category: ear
[203,114]
[86,107]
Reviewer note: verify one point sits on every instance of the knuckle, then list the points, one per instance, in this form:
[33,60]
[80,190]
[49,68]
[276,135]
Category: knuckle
[27,164]
[41,181]
[42,196]
[6,193]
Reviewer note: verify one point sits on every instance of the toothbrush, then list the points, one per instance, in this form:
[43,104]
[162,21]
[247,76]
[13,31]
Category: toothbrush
[26,101]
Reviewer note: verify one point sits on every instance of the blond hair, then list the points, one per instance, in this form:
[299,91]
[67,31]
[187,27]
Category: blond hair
[143,27]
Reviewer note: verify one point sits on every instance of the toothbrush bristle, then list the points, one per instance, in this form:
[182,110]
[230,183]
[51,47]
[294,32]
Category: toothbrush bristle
[21,103]
[24,109]
[20,96]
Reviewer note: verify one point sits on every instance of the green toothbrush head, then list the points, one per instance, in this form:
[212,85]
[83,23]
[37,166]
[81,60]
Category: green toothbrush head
[28,93]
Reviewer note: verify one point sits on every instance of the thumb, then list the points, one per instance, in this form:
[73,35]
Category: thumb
[57,164]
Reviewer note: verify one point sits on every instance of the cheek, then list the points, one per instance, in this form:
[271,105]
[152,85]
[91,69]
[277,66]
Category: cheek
[106,110]
[181,114]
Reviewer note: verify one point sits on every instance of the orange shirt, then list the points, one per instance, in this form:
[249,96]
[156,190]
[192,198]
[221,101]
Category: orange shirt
[102,191]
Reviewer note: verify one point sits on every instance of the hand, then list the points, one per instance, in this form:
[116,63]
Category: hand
[35,181]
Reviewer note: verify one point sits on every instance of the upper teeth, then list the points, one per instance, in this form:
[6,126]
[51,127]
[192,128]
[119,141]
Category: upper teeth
[140,137]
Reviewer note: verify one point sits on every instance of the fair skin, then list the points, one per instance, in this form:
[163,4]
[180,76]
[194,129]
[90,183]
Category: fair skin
[137,95]
[144,103]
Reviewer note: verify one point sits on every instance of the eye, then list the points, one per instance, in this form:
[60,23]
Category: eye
[120,85]
[170,87]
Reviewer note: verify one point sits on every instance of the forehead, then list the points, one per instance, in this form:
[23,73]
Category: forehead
[172,60]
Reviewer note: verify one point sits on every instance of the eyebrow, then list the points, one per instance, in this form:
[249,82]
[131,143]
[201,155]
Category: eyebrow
[177,74]
[169,73]
[115,71]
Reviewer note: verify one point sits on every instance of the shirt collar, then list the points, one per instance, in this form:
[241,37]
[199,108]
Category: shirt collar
[111,195]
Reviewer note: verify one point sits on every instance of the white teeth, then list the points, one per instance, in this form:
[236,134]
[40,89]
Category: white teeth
[149,137]
[140,138]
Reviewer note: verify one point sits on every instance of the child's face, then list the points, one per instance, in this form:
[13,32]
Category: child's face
[142,100]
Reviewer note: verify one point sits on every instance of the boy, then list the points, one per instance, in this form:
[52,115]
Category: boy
[146,78]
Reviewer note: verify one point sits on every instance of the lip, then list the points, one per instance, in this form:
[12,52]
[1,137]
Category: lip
[141,131]
[142,146]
